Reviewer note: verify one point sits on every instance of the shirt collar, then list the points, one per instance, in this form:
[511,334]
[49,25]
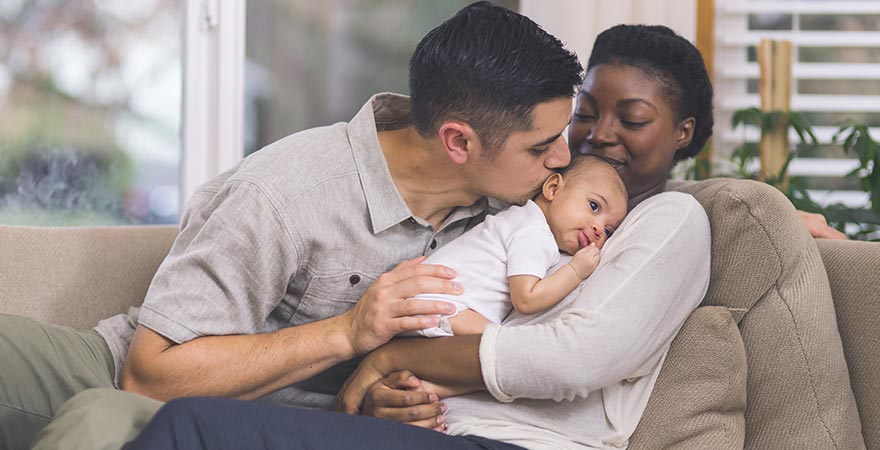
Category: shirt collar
[383,111]
[388,111]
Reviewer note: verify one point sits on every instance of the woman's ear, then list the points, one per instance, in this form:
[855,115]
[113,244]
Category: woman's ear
[457,139]
[552,185]
[686,132]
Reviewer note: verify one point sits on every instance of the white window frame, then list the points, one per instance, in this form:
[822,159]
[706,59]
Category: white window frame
[731,70]
[213,91]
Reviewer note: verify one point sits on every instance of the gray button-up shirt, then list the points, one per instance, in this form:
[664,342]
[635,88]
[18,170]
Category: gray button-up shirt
[293,234]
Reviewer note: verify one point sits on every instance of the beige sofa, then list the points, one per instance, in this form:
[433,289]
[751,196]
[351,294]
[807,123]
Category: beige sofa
[769,361]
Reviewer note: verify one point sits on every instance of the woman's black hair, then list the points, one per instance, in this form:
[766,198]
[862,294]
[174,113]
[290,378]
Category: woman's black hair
[674,61]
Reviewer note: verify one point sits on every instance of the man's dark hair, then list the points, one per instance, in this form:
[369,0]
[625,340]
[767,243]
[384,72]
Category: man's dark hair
[489,67]
[674,61]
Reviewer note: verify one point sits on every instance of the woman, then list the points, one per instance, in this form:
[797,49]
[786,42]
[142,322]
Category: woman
[579,376]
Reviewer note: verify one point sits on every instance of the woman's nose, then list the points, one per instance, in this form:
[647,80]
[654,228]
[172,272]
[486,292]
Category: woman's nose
[602,133]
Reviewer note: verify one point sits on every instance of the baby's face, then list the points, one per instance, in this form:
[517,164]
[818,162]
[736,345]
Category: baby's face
[586,211]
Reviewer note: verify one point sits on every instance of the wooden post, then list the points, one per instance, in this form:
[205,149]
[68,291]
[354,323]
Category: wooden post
[774,60]
[706,46]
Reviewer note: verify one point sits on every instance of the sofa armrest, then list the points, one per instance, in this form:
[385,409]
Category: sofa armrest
[853,269]
[78,276]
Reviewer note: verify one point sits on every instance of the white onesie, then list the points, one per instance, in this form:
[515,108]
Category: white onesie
[516,241]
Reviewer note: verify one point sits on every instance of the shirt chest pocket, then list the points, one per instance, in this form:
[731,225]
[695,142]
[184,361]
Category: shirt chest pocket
[332,295]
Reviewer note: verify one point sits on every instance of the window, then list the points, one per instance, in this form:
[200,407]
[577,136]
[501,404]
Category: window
[313,63]
[836,68]
[89,95]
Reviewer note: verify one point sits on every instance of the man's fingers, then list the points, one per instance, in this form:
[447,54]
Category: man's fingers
[420,307]
[827,232]
[426,285]
[403,379]
[388,398]
[435,423]
[404,324]
[416,269]
[410,414]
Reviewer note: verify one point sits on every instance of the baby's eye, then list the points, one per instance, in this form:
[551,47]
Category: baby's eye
[594,206]
[608,232]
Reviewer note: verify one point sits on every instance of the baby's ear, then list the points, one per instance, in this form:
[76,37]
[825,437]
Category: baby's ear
[552,185]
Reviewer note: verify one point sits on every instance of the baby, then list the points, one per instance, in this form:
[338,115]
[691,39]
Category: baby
[504,260]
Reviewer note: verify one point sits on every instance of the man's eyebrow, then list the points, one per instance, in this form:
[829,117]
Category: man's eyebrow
[629,101]
[549,140]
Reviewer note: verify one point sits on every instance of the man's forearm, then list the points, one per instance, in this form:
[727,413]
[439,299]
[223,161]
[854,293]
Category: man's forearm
[452,362]
[241,366]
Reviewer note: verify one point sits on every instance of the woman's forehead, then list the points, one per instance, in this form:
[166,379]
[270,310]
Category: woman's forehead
[625,82]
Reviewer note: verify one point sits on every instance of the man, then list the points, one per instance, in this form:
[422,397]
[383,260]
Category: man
[265,291]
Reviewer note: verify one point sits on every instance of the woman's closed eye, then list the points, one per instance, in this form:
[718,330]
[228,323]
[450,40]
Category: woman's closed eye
[583,117]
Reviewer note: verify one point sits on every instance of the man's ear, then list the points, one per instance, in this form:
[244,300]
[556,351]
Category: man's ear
[458,139]
[686,132]
[552,185]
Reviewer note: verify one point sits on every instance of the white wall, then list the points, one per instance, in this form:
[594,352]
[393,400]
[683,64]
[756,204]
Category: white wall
[577,22]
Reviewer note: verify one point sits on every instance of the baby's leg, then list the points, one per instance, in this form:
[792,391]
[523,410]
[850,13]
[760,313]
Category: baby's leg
[468,321]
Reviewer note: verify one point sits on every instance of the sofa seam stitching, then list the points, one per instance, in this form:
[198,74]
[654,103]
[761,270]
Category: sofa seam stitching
[808,368]
[794,322]
[791,314]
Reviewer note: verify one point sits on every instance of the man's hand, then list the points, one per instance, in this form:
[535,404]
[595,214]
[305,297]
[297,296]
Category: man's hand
[818,226]
[584,262]
[384,311]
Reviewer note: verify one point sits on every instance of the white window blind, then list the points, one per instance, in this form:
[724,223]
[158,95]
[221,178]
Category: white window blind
[836,77]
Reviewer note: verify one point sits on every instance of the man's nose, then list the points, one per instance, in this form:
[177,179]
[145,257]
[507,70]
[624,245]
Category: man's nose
[558,156]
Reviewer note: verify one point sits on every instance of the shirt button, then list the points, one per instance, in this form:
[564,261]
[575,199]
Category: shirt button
[354,279]
[433,244]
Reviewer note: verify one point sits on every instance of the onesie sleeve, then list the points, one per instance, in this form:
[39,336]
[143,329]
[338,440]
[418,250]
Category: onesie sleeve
[531,251]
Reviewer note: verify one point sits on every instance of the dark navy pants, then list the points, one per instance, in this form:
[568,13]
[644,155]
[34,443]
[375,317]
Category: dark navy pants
[224,424]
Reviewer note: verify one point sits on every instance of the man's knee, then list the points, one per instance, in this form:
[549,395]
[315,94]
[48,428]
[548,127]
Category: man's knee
[100,418]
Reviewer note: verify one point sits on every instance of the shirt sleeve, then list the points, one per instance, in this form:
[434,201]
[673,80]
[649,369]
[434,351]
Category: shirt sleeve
[619,324]
[531,251]
[227,270]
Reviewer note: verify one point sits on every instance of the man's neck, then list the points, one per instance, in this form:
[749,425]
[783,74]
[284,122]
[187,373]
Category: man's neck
[427,179]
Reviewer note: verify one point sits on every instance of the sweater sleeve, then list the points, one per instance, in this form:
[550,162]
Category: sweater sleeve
[620,321]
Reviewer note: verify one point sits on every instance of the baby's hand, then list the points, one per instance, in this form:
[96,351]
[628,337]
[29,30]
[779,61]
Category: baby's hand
[585,261]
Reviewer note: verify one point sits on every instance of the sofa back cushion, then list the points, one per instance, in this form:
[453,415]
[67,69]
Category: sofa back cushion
[78,276]
[767,271]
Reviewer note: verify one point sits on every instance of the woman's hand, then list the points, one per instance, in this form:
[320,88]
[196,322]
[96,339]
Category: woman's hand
[402,397]
[818,226]
[398,396]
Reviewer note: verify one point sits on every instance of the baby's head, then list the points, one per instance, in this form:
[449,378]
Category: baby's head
[584,203]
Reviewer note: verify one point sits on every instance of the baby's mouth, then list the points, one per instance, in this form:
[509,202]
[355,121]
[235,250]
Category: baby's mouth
[583,240]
